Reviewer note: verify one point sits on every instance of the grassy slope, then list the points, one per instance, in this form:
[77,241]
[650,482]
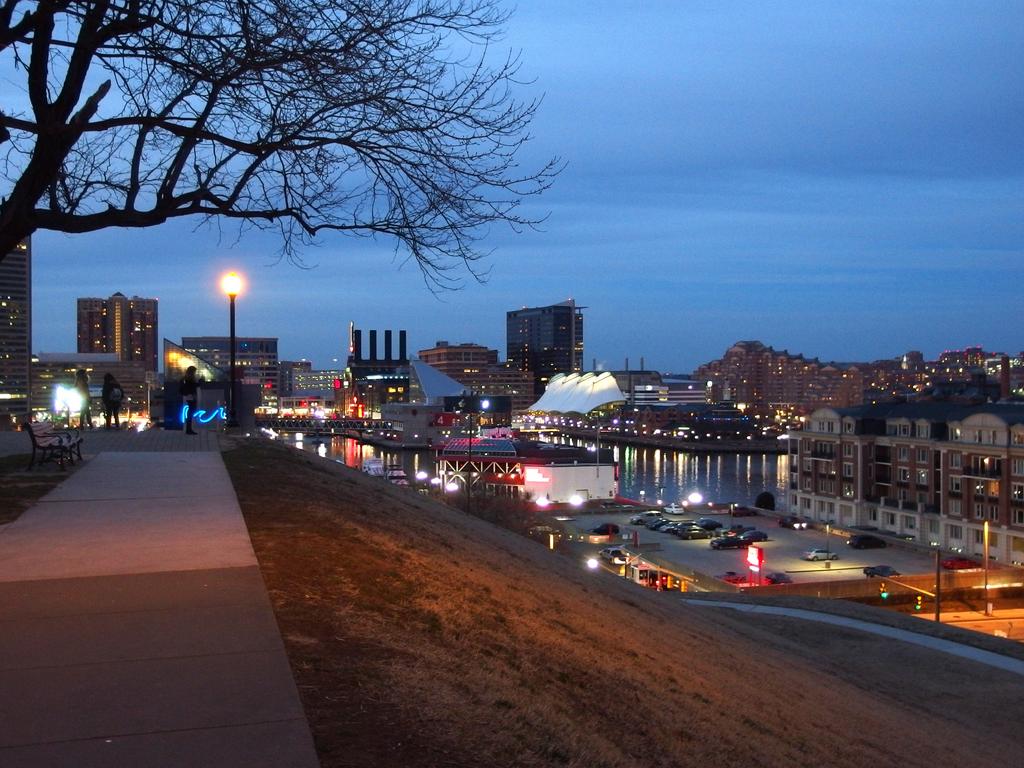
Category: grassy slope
[422,637]
[20,488]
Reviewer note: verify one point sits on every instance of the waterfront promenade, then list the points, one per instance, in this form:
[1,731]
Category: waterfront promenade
[135,628]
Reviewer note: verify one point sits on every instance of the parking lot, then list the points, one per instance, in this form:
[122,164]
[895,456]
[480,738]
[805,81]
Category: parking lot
[783,549]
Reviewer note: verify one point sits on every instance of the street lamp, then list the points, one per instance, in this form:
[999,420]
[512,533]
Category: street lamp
[231,284]
[988,604]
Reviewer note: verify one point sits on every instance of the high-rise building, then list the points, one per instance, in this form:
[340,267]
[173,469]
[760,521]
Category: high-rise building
[545,341]
[286,373]
[15,334]
[125,326]
[255,360]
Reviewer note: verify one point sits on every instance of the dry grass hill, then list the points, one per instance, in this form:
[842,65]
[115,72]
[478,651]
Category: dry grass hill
[420,636]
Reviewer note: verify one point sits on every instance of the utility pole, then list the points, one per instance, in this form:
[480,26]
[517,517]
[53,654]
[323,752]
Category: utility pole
[938,583]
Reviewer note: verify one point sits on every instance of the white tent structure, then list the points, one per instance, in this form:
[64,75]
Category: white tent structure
[578,393]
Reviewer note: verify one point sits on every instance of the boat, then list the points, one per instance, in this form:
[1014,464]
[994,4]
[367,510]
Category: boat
[374,467]
[396,475]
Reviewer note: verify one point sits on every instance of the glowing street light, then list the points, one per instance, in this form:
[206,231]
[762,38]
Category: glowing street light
[231,284]
[576,500]
[543,501]
[695,498]
[592,564]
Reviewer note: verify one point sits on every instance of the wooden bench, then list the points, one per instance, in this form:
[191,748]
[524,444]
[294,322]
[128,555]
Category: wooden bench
[49,444]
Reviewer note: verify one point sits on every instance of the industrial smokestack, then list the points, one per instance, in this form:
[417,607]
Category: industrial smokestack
[403,356]
[387,345]
[373,344]
[357,345]
[1004,377]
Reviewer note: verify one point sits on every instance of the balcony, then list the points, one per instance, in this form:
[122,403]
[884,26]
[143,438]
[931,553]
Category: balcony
[820,454]
[989,473]
[905,506]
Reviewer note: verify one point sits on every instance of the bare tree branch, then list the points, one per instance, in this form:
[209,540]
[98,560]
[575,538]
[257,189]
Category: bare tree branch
[366,117]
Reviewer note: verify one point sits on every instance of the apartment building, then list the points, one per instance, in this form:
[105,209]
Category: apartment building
[125,326]
[935,472]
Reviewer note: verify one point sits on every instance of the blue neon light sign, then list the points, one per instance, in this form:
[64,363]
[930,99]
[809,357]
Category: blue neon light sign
[203,416]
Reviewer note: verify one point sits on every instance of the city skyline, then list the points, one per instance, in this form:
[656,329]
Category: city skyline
[845,184]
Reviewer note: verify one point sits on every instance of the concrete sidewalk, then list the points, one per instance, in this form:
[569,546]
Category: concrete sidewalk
[101,440]
[135,628]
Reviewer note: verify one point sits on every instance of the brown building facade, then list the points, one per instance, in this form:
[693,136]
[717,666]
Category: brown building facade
[124,326]
[477,368]
[933,471]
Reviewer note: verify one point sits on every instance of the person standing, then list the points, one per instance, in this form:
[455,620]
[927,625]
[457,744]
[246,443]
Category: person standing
[112,396]
[189,391]
[82,387]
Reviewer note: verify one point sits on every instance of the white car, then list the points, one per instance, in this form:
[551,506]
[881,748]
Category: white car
[820,554]
[614,555]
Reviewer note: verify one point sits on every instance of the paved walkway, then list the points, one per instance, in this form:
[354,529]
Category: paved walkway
[935,643]
[135,629]
[99,440]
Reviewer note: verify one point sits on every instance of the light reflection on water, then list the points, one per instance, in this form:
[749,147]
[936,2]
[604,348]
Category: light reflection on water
[659,473]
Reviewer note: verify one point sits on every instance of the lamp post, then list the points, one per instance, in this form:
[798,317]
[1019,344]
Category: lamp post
[231,284]
[988,605]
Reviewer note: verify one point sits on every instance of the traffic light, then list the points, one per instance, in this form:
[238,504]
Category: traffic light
[917,603]
[882,591]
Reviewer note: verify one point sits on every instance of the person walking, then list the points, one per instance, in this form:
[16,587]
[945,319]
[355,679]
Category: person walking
[189,391]
[112,396]
[82,387]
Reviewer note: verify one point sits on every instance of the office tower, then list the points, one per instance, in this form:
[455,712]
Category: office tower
[545,341]
[255,360]
[287,372]
[15,334]
[125,326]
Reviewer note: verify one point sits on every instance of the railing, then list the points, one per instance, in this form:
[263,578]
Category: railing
[988,473]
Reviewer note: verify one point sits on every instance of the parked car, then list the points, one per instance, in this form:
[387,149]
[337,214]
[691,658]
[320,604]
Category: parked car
[736,530]
[729,542]
[958,563]
[866,541]
[754,535]
[819,554]
[657,525]
[709,523]
[741,511]
[606,529]
[880,570]
[692,532]
[615,555]
[792,522]
[733,578]
[654,522]
[638,519]
[778,577]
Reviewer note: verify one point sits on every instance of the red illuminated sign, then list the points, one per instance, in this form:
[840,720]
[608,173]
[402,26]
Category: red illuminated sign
[755,558]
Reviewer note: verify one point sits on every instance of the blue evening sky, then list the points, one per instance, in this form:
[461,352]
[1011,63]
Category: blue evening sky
[841,179]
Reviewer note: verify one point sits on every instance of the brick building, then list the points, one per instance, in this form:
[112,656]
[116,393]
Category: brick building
[477,368]
[761,377]
[933,471]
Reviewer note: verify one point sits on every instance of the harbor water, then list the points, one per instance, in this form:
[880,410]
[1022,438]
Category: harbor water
[644,473]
